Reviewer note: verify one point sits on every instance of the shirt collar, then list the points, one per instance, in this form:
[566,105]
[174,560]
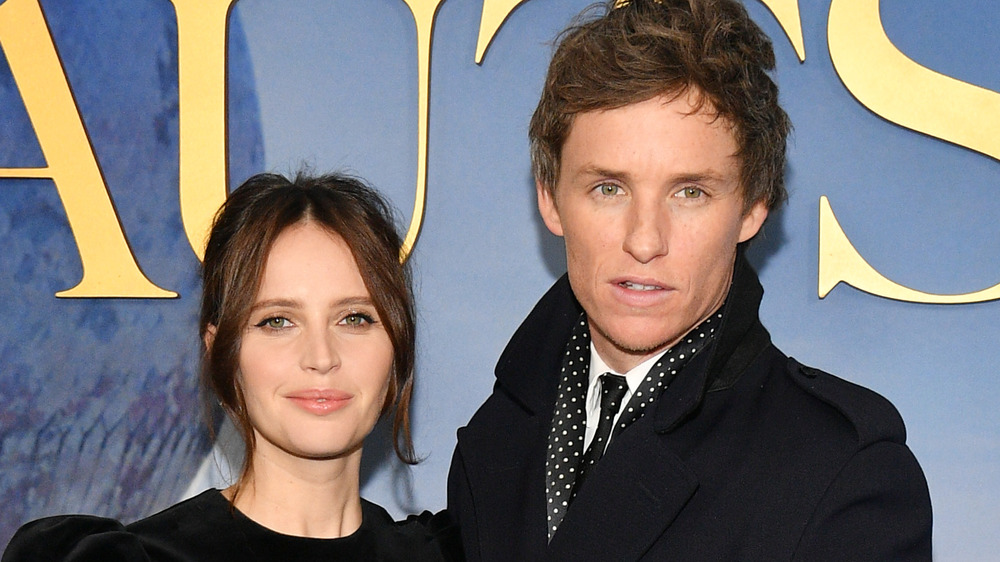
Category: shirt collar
[634,377]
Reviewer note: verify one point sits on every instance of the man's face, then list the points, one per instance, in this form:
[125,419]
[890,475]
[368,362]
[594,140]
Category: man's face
[649,203]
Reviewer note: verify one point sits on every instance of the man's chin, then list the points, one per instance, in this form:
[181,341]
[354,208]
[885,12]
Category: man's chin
[640,347]
[632,346]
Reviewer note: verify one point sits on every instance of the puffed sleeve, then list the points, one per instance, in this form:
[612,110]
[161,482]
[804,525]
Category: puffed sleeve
[878,508]
[440,531]
[74,538]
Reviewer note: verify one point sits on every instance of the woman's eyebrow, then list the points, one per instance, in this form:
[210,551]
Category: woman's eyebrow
[276,303]
[359,300]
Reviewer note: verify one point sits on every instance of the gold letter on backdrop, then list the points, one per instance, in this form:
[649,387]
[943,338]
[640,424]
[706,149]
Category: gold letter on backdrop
[423,13]
[904,92]
[840,261]
[201,88]
[495,12]
[787,14]
[109,268]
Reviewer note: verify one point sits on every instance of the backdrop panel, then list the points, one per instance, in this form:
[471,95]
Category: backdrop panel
[338,87]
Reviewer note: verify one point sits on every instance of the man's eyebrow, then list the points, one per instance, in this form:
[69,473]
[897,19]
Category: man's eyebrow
[709,175]
[598,171]
[700,177]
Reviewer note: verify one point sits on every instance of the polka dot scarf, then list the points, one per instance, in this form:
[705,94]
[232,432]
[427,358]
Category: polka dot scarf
[569,420]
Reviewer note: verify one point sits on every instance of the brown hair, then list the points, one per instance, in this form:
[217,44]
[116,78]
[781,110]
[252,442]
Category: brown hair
[619,55]
[245,228]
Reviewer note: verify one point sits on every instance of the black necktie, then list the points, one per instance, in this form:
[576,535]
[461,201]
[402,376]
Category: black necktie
[613,389]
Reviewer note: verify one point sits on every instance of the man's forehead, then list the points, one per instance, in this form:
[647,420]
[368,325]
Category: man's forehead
[688,104]
[662,118]
[698,102]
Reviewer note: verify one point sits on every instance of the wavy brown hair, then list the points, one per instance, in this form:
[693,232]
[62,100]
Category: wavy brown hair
[625,52]
[245,228]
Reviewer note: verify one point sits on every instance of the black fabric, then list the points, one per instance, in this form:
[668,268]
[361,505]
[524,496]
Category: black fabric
[206,529]
[747,455]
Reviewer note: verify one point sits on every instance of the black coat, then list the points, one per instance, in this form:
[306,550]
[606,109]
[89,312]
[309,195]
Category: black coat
[747,455]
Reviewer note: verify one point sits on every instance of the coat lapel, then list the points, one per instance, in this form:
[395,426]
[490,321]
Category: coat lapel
[628,501]
[504,454]
[506,471]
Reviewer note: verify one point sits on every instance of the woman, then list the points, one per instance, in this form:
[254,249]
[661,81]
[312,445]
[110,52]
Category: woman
[308,325]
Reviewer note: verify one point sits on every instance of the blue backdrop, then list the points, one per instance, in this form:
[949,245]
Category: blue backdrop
[98,408]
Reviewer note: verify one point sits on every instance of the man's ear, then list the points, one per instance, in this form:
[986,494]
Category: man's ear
[547,208]
[209,336]
[753,220]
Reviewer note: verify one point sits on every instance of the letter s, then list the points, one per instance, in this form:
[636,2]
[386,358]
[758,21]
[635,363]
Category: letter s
[895,87]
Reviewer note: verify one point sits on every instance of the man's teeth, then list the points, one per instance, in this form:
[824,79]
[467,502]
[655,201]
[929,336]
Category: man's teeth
[639,286]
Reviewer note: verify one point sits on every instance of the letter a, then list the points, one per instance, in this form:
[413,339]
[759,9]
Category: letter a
[109,267]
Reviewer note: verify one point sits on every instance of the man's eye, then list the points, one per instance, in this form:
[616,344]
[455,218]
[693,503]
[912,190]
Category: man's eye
[275,323]
[357,320]
[690,193]
[609,189]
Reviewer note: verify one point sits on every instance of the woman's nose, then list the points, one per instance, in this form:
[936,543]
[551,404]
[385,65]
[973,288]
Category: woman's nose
[320,352]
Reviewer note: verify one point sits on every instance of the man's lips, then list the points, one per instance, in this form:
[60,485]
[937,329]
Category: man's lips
[636,286]
[640,292]
[320,401]
[640,283]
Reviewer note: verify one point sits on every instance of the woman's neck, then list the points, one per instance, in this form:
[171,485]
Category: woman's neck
[302,497]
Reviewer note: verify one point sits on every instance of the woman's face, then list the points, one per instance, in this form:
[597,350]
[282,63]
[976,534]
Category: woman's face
[315,358]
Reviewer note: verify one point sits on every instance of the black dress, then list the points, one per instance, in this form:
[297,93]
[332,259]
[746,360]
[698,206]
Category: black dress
[206,529]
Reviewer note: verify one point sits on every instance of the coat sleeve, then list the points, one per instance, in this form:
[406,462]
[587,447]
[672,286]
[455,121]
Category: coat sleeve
[877,508]
[460,506]
[74,538]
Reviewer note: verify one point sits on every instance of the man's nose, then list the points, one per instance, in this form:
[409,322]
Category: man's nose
[646,231]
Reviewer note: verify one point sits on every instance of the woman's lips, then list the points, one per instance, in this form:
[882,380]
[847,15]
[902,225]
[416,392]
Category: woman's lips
[320,402]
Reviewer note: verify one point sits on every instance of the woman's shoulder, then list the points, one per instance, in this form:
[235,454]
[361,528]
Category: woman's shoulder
[193,515]
[200,528]
[74,538]
[425,537]
[168,535]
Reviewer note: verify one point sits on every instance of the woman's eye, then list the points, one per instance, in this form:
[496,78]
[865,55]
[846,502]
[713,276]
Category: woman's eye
[274,323]
[608,189]
[357,320]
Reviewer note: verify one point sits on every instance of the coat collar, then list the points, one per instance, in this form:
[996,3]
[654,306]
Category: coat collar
[740,339]
[528,366]
[527,370]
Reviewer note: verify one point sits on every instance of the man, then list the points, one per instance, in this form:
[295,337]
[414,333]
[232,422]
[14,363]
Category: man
[658,149]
